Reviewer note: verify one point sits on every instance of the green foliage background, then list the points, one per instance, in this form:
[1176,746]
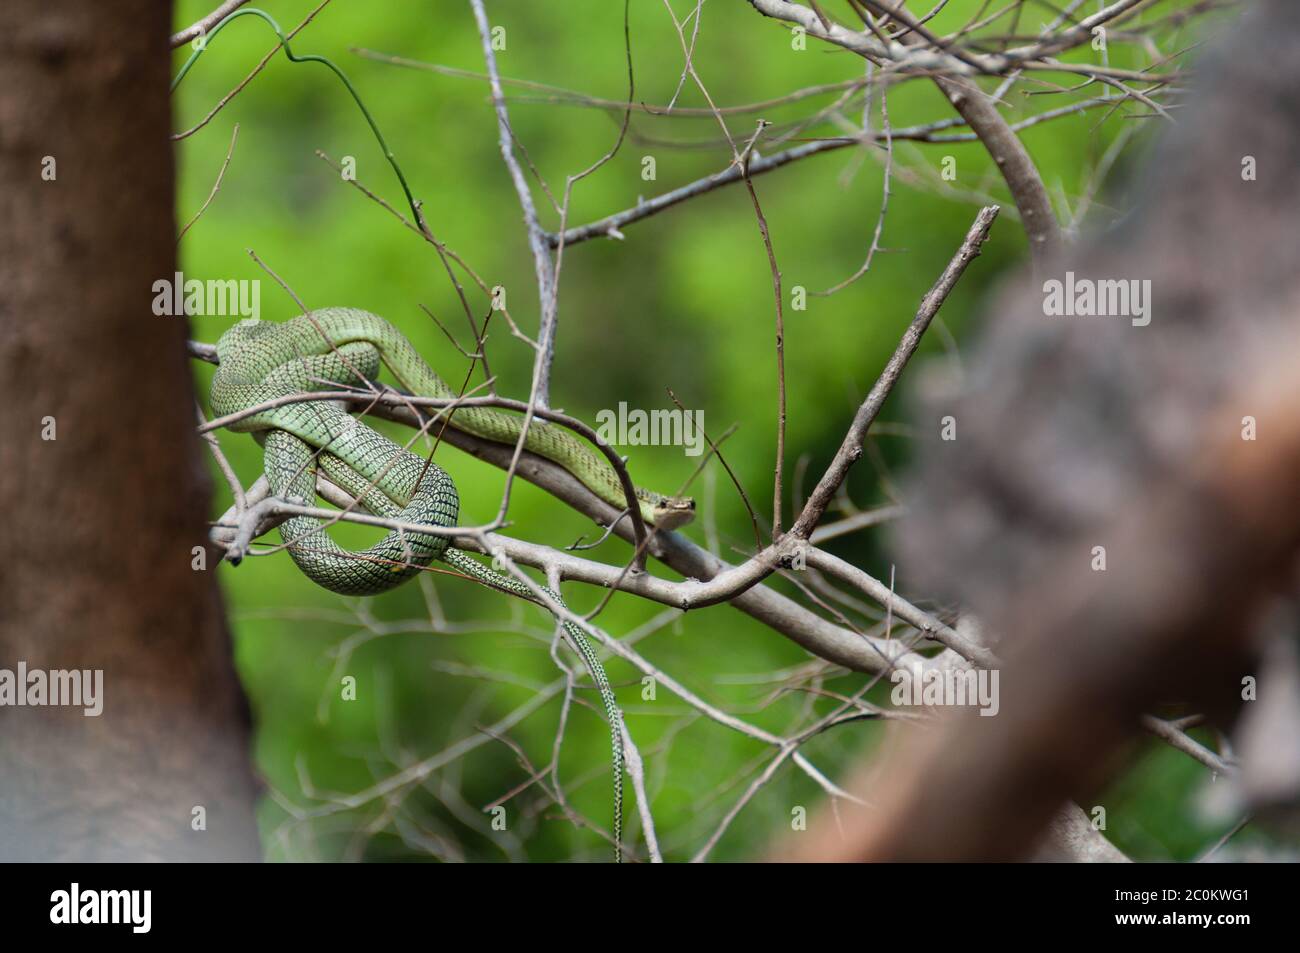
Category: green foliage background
[685,302]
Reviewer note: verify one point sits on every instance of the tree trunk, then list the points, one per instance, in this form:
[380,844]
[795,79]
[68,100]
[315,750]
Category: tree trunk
[102,521]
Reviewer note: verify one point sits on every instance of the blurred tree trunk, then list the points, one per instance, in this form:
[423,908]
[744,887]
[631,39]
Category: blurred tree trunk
[1128,439]
[101,521]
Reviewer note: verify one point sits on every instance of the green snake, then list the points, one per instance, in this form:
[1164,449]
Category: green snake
[261,361]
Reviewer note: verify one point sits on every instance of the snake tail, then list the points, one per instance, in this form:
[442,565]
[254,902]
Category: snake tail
[471,567]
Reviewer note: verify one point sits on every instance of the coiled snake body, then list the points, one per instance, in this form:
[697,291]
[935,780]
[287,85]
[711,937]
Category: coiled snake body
[261,361]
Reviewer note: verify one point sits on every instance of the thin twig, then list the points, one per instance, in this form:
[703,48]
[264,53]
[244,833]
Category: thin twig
[216,186]
[851,447]
[204,24]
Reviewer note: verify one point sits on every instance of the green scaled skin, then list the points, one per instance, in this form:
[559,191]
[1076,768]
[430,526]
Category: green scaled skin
[261,360]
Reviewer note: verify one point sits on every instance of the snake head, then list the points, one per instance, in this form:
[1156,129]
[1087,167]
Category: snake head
[674,511]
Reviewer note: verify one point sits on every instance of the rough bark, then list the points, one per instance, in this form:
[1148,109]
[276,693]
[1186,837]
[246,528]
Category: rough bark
[100,522]
[1076,432]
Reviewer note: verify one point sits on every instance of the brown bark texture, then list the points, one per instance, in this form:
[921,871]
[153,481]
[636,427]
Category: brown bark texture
[1074,433]
[100,523]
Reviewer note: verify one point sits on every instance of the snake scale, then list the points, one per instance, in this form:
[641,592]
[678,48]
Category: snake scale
[261,361]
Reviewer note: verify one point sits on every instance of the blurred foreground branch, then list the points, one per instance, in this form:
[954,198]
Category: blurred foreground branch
[1088,438]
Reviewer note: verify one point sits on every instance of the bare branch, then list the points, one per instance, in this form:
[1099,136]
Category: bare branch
[216,186]
[542,263]
[205,24]
[851,448]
